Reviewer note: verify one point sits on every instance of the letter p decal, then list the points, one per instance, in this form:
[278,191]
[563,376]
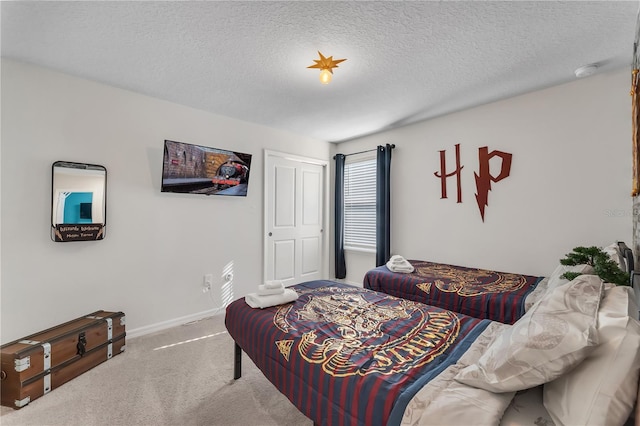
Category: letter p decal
[484,176]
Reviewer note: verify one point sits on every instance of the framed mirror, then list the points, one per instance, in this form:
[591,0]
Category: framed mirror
[78,201]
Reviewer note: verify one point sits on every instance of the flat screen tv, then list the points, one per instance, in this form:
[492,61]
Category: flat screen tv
[196,169]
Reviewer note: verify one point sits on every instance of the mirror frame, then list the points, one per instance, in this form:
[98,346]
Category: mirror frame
[64,232]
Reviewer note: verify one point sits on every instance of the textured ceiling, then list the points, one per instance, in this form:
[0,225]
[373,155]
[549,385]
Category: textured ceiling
[406,61]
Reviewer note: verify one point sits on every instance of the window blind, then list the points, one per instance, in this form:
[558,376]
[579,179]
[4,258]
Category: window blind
[360,203]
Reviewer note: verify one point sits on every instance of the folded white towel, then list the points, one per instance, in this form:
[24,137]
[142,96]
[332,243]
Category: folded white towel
[273,284]
[399,264]
[401,269]
[263,290]
[256,301]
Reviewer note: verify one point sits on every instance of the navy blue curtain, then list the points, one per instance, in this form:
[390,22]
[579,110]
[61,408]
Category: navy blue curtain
[341,268]
[383,204]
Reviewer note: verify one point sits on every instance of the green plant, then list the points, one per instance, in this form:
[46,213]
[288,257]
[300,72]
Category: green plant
[604,267]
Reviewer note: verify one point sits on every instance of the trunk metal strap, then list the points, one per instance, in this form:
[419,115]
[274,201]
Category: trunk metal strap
[109,328]
[22,364]
[109,338]
[46,383]
[47,355]
[22,402]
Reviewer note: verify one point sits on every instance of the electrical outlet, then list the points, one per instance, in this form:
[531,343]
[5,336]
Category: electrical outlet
[207,283]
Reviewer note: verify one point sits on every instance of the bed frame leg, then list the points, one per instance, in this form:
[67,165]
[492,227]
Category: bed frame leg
[237,363]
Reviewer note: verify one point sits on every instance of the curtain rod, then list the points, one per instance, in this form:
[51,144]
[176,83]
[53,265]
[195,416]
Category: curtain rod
[362,152]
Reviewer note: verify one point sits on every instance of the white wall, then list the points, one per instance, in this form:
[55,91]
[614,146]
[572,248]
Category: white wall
[158,246]
[569,185]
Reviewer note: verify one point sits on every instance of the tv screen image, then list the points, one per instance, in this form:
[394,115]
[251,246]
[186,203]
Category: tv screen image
[196,169]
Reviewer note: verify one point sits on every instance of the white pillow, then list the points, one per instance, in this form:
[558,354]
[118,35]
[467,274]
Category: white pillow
[526,408]
[555,279]
[602,389]
[550,339]
[536,294]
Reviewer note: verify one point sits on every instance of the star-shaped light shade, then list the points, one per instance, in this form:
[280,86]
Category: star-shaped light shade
[325,65]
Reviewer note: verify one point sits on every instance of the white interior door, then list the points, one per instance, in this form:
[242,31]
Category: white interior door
[295,204]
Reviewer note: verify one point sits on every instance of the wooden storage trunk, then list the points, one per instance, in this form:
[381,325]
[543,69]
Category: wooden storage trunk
[36,364]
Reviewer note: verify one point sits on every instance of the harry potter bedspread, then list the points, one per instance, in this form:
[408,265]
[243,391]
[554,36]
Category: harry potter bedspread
[345,355]
[481,293]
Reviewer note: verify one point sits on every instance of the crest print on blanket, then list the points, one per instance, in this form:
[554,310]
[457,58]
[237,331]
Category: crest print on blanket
[353,340]
[466,281]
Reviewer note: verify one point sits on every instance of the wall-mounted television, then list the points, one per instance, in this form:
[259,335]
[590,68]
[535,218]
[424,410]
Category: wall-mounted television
[196,169]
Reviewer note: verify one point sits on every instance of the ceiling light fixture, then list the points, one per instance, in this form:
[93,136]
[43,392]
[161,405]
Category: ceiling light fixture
[325,65]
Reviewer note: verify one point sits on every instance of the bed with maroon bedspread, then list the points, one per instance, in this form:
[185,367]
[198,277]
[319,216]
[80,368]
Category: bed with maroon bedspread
[480,293]
[346,355]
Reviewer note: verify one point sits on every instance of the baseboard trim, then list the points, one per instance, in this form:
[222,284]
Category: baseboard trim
[148,329]
[152,328]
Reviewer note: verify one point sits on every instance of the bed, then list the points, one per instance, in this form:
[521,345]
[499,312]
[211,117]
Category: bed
[481,293]
[346,355]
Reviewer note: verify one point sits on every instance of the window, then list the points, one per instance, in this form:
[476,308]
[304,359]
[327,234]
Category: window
[360,203]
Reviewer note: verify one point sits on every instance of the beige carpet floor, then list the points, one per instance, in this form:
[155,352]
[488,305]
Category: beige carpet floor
[180,376]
